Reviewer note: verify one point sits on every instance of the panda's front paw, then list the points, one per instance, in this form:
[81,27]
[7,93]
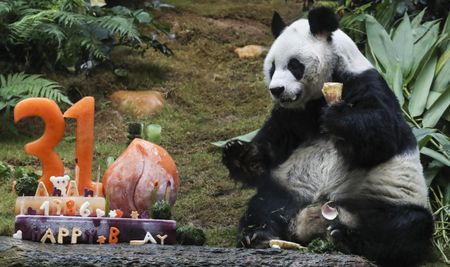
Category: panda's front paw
[337,234]
[233,152]
[243,160]
[256,239]
[335,117]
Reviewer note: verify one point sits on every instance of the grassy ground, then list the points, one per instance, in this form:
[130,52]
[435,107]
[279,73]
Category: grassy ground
[211,95]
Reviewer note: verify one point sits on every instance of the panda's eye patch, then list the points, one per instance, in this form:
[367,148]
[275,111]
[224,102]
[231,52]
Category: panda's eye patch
[272,70]
[296,68]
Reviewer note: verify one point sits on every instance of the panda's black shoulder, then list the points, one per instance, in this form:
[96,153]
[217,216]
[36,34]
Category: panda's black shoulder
[370,84]
[370,91]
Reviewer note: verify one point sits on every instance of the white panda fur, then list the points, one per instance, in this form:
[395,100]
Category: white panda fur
[359,153]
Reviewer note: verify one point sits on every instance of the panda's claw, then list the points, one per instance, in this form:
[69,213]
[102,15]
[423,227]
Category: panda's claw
[247,239]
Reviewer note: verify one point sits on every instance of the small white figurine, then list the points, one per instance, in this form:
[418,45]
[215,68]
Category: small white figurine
[100,213]
[60,183]
[112,213]
[18,235]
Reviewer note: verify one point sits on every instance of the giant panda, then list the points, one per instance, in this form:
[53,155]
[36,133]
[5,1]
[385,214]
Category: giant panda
[358,155]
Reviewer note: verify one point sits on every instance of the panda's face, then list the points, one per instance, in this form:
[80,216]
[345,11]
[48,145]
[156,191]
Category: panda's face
[297,65]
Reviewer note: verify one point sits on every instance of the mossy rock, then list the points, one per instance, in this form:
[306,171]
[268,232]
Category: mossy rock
[190,235]
[161,210]
[321,246]
[26,182]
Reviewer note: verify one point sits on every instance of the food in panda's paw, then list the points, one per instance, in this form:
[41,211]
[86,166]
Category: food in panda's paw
[332,92]
[281,244]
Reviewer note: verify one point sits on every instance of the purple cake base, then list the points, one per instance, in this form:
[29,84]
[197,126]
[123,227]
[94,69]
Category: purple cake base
[130,229]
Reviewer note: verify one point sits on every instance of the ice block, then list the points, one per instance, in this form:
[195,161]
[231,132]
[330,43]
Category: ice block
[34,227]
[23,203]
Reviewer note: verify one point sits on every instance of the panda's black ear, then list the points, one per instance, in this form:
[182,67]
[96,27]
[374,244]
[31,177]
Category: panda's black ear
[323,20]
[278,25]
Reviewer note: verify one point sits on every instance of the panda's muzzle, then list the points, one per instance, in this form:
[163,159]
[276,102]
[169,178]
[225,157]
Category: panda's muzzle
[277,91]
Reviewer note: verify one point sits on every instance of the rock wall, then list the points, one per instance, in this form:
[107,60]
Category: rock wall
[15,252]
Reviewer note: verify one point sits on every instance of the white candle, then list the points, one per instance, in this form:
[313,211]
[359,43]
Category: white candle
[58,203]
[84,210]
[22,207]
[45,207]
[98,181]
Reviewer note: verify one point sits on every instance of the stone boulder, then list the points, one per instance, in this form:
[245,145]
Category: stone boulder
[138,104]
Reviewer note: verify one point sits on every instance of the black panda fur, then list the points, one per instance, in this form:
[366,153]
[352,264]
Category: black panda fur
[362,144]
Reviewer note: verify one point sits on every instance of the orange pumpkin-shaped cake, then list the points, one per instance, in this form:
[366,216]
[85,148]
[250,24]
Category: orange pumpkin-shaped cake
[144,173]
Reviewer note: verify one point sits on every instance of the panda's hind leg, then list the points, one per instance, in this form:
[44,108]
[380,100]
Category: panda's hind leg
[267,217]
[389,235]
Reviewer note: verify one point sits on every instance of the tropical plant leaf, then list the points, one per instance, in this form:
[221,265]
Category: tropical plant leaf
[245,138]
[418,19]
[431,171]
[435,155]
[380,43]
[432,116]
[395,80]
[421,88]
[423,135]
[142,16]
[432,97]
[443,73]
[403,41]
[423,48]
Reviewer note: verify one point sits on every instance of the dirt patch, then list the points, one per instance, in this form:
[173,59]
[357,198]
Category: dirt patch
[110,126]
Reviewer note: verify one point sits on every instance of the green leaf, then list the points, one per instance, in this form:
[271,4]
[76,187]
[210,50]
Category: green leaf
[423,48]
[438,108]
[417,19]
[143,17]
[380,43]
[431,171]
[423,135]
[403,41]
[421,88]
[432,97]
[446,29]
[245,138]
[395,81]
[444,59]
[435,155]
[443,73]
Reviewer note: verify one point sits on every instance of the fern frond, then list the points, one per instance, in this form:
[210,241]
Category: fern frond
[23,29]
[17,86]
[119,25]
[53,31]
[76,6]
[5,8]
[94,48]
[67,19]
